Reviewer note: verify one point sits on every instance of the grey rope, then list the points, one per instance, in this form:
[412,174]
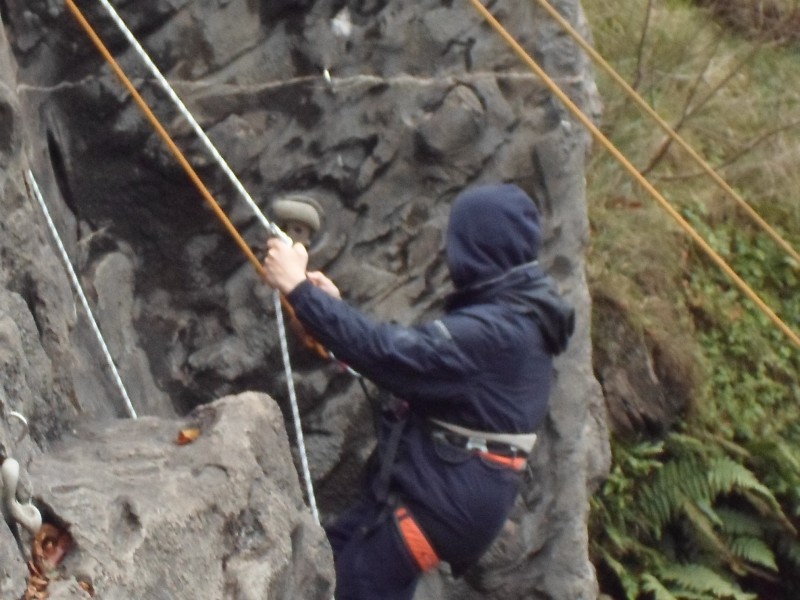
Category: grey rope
[170,91]
[79,291]
[298,429]
[268,225]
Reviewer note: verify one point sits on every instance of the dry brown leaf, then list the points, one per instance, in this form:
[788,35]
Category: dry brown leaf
[187,436]
[87,587]
[33,569]
[36,590]
[37,583]
[50,546]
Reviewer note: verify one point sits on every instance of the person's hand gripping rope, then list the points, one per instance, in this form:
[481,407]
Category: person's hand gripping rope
[285,269]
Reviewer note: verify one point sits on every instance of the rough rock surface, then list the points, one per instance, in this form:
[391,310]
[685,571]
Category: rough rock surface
[423,100]
[221,517]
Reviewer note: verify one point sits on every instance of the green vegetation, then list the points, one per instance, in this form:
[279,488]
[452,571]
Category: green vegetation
[707,507]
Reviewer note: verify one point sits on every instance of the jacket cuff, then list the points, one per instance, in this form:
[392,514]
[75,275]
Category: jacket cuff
[300,291]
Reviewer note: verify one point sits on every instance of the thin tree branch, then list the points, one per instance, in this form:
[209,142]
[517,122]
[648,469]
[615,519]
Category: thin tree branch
[640,50]
[689,111]
[741,153]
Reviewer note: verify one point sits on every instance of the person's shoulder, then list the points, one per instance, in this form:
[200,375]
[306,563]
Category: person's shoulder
[479,320]
[494,325]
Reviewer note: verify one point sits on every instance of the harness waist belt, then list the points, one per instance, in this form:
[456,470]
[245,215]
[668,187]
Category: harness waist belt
[501,454]
[523,443]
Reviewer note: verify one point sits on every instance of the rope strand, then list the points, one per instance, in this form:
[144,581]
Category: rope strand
[674,135]
[279,299]
[170,91]
[298,429]
[608,145]
[76,284]
[271,227]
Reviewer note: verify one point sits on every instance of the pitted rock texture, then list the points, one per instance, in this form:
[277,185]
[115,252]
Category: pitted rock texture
[381,111]
[221,517]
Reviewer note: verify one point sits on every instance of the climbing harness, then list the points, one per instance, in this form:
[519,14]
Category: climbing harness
[523,442]
[395,417]
[494,452]
[280,302]
[415,540]
[615,152]
[510,449]
[76,286]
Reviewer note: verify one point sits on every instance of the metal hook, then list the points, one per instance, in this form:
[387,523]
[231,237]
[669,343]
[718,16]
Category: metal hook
[26,426]
[326,74]
[26,514]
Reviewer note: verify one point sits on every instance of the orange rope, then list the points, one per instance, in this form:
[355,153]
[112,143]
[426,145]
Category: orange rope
[201,187]
[605,142]
[787,247]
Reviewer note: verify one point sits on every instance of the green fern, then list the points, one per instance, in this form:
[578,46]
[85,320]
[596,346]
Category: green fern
[703,530]
[626,579]
[789,550]
[677,482]
[653,586]
[727,494]
[684,511]
[755,551]
[726,476]
[736,522]
[698,578]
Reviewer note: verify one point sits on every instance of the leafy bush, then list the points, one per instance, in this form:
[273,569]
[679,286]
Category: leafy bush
[711,510]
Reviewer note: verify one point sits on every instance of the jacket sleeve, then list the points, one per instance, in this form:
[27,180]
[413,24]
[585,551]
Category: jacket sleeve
[416,363]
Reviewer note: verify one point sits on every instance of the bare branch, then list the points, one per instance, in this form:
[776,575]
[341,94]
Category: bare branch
[640,50]
[689,111]
[741,153]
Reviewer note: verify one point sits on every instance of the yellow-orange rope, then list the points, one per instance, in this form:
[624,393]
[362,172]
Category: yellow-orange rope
[201,187]
[608,145]
[642,103]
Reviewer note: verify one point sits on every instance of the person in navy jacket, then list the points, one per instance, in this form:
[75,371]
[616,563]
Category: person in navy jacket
[474,385]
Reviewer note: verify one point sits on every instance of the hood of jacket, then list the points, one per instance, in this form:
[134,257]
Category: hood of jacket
[492,228]
[492,243]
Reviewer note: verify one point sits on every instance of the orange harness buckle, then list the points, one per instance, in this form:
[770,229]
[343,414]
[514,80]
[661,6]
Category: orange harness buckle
[516,463]
[416,542]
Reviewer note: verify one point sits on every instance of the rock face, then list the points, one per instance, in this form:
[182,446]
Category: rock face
[221,517]
[379,110]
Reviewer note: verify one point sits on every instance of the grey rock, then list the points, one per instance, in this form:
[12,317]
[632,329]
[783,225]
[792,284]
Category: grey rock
[12,565]
[423,100]
[222,517]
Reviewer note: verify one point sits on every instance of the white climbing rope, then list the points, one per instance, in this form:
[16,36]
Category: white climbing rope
[298,429]
[268,225]
[170,91]
[79,291]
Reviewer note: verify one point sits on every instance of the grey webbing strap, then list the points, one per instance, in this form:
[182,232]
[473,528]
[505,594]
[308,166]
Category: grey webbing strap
[520,441]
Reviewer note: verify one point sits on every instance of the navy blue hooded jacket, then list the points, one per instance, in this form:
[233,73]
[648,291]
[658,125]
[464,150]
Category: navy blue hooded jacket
[486,364]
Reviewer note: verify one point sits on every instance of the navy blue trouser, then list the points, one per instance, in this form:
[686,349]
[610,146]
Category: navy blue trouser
[460,501]
[371,559]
